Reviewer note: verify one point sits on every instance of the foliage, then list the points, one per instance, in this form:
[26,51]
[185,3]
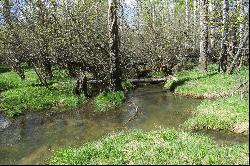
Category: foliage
[157,74]
[107,101]
[154,147]
[222,113]
[127,85]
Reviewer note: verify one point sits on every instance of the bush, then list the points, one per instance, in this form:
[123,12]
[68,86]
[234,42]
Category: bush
[127,85]
[108,101]
[157,74]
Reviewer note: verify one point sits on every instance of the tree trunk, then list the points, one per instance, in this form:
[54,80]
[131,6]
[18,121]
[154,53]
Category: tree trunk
[187,13]
[237,56]
[224,41]
[114,41]
[82,85]
[203,35]
[212,31]
[195,8]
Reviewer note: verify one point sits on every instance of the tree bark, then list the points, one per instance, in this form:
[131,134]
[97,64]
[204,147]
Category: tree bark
[224,41]
[187,13]
[212,31]
[203,35]
[237,56]
[195,9]
[142,80]
[114,42]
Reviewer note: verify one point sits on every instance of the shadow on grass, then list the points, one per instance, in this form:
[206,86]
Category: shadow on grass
[181,82]
[4,69]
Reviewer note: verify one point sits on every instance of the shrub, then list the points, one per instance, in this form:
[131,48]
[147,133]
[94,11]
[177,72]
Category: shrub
[108,101]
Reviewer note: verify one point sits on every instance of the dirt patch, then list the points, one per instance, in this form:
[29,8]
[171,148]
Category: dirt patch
[241,128]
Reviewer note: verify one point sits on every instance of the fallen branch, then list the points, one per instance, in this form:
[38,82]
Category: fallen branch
[143,80]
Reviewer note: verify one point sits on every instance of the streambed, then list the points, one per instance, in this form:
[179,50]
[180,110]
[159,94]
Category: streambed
[32,138]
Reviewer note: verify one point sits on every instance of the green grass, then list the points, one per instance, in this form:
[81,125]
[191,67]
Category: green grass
[155,147]
[107,101]
[20,96]
[222,113]
[11,80]
[206,85]
[4,69]
[127,85]
[157,74]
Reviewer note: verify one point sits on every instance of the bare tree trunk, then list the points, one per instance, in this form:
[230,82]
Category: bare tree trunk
[187,13]
[212,30]
[224,41]
[195,11]
[237,56]
[241,5]
[203,35]
[82,85]
[114,42]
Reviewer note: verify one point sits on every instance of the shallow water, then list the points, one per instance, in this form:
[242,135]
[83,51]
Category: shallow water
[32,138]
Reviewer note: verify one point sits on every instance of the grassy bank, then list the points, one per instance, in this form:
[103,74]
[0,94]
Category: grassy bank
[20,96]
[206,85]
[108,101]
[156,147]
[225,111]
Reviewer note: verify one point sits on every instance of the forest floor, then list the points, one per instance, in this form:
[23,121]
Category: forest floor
[226,99]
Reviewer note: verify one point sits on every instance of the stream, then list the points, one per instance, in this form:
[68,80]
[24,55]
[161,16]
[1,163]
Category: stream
[32,138]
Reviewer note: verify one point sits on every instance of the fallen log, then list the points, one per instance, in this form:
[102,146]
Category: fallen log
[143,80]
[147,80]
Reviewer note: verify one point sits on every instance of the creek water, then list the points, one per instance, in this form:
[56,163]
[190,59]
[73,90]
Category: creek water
[31,139]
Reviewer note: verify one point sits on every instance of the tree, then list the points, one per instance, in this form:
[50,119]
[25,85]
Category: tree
[203,35]
[114,41]
[224,41]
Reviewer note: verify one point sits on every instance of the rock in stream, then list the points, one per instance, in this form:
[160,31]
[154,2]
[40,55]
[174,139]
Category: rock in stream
[4,122]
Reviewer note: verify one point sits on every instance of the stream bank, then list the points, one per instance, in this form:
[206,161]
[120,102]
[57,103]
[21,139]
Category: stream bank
[33,138]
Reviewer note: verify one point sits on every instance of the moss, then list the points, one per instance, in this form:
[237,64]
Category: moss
[155,147]
[108,101]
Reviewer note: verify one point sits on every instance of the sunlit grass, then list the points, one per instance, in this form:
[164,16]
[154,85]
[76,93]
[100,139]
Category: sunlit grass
[107,101]
[155,147]
[19,96]
[222,113]
[206,85]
